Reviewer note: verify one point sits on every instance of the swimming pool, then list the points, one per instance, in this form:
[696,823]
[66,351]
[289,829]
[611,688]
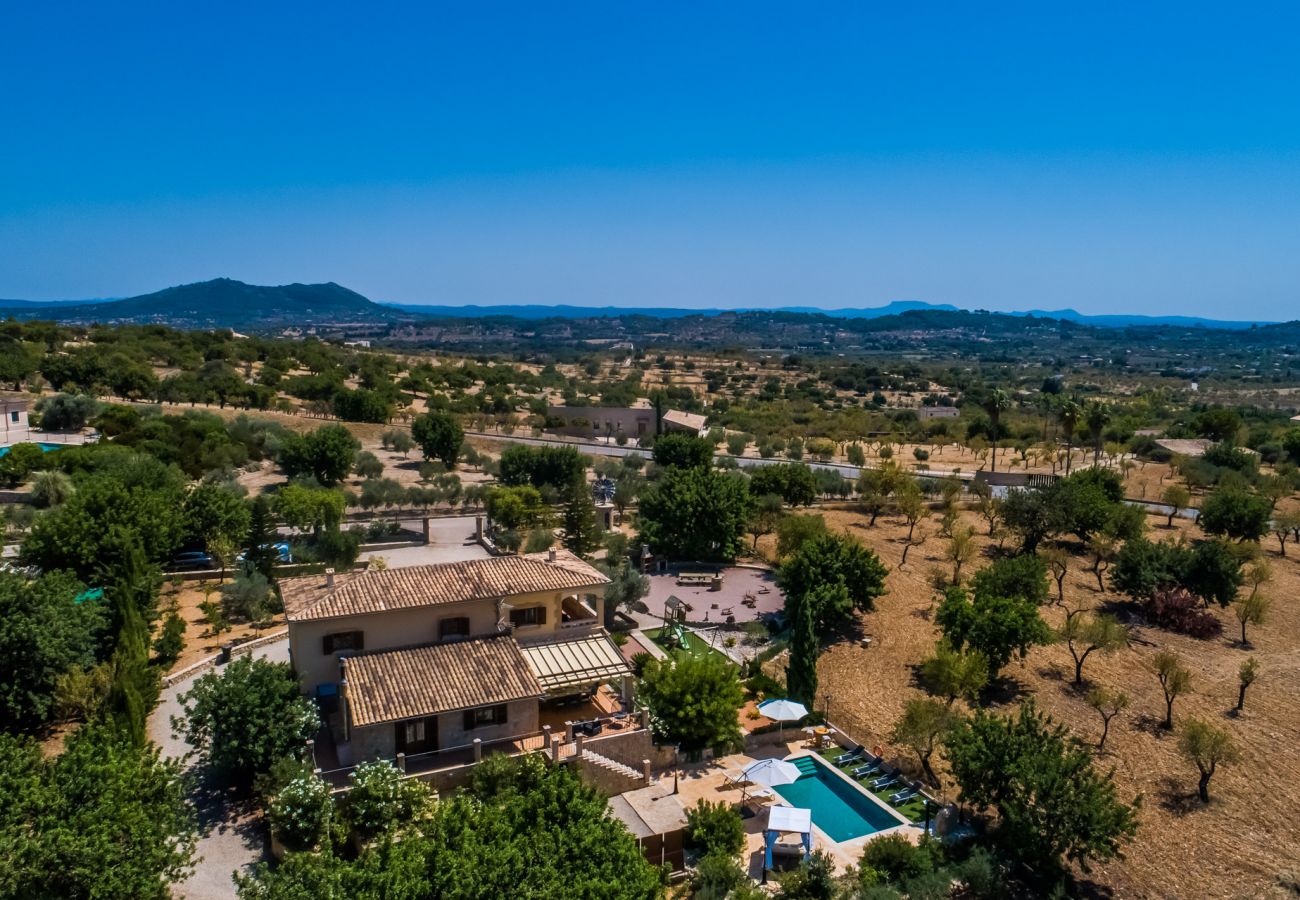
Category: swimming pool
[44,446]
[838,807]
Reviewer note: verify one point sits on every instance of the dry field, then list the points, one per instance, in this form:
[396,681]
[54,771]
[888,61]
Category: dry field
[199,642]
[1242,842]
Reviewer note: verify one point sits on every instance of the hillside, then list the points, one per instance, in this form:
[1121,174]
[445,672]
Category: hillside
[221,303]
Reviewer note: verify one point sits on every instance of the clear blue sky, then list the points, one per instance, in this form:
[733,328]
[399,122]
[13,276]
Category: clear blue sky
[1113,157]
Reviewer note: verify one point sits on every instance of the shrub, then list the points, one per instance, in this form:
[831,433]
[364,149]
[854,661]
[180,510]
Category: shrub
[893,858]
[716,877]
[381,798]
[80,693]
[715,828]
[300,813]
[171,640]
[1177,610]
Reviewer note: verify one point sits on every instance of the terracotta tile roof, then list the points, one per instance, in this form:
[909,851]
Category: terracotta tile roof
[423,681]
[693,421]
[409,587]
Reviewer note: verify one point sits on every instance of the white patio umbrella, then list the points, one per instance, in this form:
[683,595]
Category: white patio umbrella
[771,772]
[768,772]
[783,711]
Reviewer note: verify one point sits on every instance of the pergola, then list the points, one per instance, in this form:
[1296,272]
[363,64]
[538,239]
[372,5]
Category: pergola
[786,820]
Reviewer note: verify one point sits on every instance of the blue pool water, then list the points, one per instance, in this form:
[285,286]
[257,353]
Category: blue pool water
[838,808]
[44,446]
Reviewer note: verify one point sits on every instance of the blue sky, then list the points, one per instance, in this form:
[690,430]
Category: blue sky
[1003,156]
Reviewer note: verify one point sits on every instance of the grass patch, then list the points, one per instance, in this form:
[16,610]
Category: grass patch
[913,810]
[695,646]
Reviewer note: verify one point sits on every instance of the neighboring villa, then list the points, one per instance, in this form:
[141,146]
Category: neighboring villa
[16,428]
[427,658]
[610,421]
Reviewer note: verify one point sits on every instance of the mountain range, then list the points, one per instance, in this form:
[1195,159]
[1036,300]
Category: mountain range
[227,303]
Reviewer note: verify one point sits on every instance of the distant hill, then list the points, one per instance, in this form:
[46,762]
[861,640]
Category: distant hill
[226,303]
[219,303]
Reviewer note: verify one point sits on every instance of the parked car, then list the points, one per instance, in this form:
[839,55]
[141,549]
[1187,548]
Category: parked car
[282,550]
[193,559]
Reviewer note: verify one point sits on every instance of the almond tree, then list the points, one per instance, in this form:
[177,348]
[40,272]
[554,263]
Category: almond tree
[1175,680]
[1108,704]
[1246,676]
[1251,610]
[1208,747]
[1085,635]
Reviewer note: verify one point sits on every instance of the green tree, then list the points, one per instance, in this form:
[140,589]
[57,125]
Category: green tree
[309,508]
[1175,680]
[1030,515]
[246,717]
[214,512]
[1177,498]
[399,441]
[50,489]
[513,508]
[805,643]
[557,467]
[794,483]
[1212,571]
[625,589]
[1068,413]
[1208,747]
[581,535]
[259,549]
[814,879]
[696,513]
[1052,805]
[693,701]
[921,728]
[715,828]
[794,531]
[1250,610]
[326,454]
[953,673]
[832,560]
[1085,635]
[682,451]
[367,465]
[104,818]
[995,404]
[67,412]
[1235,514]
[1246,676]
[764,517]
[44,632]
[1108,704]
[876,488]
[440,437]
[998,627]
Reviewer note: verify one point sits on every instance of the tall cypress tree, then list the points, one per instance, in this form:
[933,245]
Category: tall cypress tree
[581,536]
[805,646]
[260,552]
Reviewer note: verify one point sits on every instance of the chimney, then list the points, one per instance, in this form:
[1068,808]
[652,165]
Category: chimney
[550,555]
[329,579]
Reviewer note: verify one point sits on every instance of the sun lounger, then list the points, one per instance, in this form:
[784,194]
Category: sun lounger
[890,777]
[852,756]
[907,793]
[865,769]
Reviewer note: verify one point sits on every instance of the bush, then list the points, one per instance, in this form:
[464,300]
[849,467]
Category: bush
[300,813]
[1177,610]
[80,693]
[715,828]
[716,877]
[249,597]
[893,858]
[170,641]
[381,798]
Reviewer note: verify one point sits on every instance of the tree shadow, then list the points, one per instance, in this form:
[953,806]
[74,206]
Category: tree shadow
[1175,797]
[218,810]
[1004,690]
[1152,725]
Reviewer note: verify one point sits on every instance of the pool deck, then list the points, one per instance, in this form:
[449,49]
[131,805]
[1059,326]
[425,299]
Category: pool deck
[709,781]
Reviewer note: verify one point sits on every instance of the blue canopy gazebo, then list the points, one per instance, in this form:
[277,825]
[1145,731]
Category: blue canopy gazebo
[786,820]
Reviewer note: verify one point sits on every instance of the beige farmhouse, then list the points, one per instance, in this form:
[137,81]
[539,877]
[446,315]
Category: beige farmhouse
[432,658]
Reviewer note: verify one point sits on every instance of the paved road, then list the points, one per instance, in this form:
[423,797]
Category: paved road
[231,838]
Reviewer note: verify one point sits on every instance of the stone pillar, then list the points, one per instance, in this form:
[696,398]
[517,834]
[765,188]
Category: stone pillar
[577,745]
[478,749]
[645,770]
[478,528]
[401,763]
[426,530]
[546,740]
[555,748]
[311,751]
[568,732]
[645,718]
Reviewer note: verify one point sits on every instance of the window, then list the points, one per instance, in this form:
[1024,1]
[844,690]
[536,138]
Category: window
[529,615]
[343,640]
[413,732]
[13,416]
[456,626]
[485,716]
